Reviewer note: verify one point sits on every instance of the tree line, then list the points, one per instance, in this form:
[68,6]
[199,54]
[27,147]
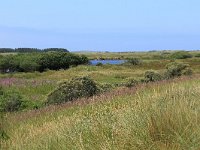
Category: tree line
[29,50]
[29,62]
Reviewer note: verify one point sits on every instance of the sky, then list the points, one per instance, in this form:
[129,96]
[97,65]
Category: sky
[101,25]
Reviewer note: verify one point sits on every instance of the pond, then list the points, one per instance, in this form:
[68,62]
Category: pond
[112,62]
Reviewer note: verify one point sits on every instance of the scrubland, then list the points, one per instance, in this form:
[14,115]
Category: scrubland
[163,114]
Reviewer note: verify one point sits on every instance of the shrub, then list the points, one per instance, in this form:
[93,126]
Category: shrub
[134,61]
[10,101]
[131,82]
[175,69]
[181,55]
[187,72]
[28,66]
[71,90]
[152,76]
[60,60]
[8,63]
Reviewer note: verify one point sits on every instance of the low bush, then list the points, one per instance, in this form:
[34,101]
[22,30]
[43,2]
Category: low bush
[134,61]
[152,76]
[181,55]
[10,101]
[74,89]
[131,82]
[175,69]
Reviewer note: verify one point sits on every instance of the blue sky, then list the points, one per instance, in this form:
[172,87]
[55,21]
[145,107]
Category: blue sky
[101,25]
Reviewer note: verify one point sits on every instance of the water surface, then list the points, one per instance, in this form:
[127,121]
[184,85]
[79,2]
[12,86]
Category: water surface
[112,62]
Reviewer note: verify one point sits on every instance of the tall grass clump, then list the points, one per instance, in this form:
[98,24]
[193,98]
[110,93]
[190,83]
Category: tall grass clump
[73,89]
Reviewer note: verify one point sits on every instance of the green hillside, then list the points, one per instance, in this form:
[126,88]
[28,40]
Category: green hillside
[162,115]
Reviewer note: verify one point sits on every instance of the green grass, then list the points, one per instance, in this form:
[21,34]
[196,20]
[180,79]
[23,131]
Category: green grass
[155,116]
[35,86]
[163,115]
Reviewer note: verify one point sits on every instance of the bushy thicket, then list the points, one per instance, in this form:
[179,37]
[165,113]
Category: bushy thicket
[40,61]
[73,89]
[175,69]
[152,76]
[181,55]
[60,60]
[10,101]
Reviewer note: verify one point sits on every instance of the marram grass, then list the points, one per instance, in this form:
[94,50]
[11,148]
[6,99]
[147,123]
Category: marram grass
[155,116]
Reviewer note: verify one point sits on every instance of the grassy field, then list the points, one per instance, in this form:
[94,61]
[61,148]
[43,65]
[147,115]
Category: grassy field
[160,115]
[35,86]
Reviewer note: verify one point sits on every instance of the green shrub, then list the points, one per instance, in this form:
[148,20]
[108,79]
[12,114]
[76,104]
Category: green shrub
[152,76]
[28,66]
[181,55]
[8,63]
[134,61]
[187,72]
[10,101]
[131,82]
[60,60]
[71,90]
[175,69]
